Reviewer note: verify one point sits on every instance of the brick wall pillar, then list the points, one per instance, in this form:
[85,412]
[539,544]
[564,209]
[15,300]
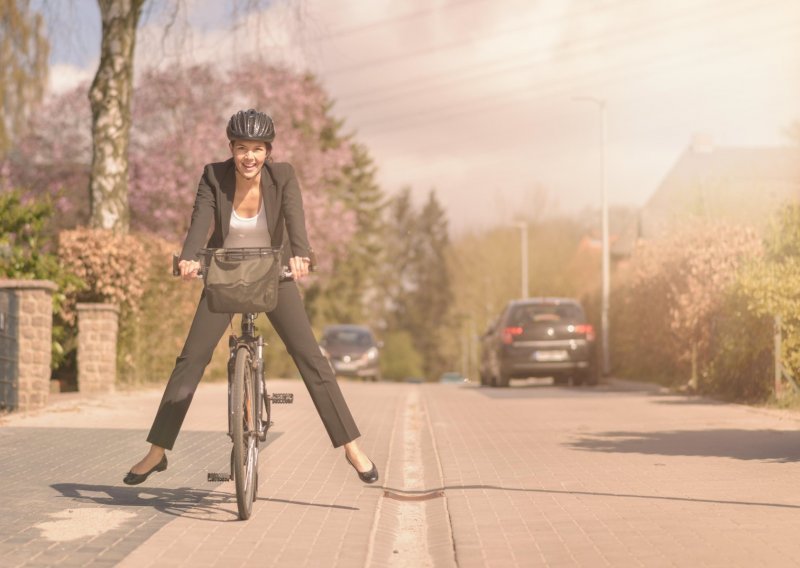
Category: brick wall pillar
[97,347]
[26,323]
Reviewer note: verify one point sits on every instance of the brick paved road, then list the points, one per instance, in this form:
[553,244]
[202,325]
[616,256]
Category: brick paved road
[534,475]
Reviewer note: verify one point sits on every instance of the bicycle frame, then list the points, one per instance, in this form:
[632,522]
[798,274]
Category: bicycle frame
[246,382]
[255,344]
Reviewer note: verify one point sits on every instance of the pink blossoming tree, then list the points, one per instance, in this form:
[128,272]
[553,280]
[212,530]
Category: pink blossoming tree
[178,125]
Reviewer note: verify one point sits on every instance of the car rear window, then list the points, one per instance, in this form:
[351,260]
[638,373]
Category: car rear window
[348,337]
[545,313]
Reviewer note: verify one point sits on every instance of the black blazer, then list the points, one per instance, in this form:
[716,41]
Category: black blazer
[214,203]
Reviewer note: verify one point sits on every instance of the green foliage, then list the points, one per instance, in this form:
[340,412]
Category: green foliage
[672,292]
[397,280]
[711,298]
[26,254]
[741,362]
[348,295]
[429,316]
[24,237]
[640,340]
[783,239]
[399,358]
[416,283]
[771,284]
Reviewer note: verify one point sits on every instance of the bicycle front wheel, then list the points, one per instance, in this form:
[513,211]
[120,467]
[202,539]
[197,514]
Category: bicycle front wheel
[245,405]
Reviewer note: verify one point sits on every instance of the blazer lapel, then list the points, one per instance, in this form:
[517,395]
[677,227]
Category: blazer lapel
[228,189]
[269,193]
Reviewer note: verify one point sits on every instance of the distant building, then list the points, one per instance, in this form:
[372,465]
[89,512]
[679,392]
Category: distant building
[738,185]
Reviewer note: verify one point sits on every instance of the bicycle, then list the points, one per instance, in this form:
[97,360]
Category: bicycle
[247,422]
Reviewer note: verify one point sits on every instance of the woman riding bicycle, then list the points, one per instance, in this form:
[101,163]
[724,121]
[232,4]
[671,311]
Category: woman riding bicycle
[243,197]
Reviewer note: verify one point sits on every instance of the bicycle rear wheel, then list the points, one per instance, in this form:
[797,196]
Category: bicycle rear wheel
[245,406]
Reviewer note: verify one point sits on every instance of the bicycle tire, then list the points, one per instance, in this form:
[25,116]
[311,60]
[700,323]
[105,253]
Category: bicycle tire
[244,406]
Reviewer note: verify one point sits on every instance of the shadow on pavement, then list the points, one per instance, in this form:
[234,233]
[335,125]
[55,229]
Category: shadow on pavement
[181,502]
[442,491]
[778,446]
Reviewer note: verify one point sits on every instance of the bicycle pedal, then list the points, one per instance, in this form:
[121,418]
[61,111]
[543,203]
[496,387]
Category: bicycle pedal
[219,477]
[282,398]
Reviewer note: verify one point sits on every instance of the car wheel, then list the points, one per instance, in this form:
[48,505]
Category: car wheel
[560,380]
[591,377]
[504,380]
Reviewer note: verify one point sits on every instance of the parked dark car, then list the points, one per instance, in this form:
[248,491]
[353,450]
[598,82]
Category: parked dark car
[542,337]
[352,351]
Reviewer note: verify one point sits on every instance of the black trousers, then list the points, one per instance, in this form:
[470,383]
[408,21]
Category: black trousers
[291,323]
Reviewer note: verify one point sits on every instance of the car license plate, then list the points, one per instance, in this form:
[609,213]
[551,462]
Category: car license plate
[549,356]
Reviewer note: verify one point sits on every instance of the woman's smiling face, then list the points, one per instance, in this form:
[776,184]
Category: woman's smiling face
[248,157]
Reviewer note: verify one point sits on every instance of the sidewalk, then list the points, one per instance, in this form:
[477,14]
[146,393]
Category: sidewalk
[533,475]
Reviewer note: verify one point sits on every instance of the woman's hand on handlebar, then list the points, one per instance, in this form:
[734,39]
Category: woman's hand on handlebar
[189,269]
[299,266]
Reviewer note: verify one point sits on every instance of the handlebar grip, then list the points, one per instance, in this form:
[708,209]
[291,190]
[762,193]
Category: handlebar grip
[176,269]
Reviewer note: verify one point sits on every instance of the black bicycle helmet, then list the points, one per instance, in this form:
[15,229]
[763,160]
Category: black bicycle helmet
[251,125]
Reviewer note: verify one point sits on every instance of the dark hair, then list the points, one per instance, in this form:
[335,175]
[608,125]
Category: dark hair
[251,125]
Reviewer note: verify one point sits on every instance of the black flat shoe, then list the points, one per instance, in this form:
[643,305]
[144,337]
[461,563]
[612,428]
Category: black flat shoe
[370,476]
[137,478]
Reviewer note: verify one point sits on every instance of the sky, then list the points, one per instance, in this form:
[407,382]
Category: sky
[495,104]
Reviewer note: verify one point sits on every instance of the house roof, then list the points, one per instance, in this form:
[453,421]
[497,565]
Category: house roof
[739,185]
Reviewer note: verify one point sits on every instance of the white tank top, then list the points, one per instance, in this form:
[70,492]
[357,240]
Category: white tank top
[248,232]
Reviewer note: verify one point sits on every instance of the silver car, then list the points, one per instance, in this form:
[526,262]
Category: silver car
[352,351]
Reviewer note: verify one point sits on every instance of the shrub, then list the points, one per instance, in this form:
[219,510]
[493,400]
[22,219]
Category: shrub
[399,359]
[741,351]
[674,288]
[111,267]
[26,253]
[770,287]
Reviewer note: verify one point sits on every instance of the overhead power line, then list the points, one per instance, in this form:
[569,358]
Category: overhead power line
[608,41]
[547,89]
[460,43]
[344,32]
[424,85]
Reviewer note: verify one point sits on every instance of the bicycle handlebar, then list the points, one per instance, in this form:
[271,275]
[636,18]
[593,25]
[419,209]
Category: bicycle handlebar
[286,273]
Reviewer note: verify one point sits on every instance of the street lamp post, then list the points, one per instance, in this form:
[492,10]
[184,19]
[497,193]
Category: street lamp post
[524,256]
[606,255]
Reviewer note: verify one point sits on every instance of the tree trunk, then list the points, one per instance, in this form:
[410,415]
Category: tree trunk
[110,99]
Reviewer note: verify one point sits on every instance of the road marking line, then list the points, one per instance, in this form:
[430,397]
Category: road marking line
[410,546]
[368,563]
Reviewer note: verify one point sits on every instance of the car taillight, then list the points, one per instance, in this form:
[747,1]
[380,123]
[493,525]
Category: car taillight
[585,329]
[509,333]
